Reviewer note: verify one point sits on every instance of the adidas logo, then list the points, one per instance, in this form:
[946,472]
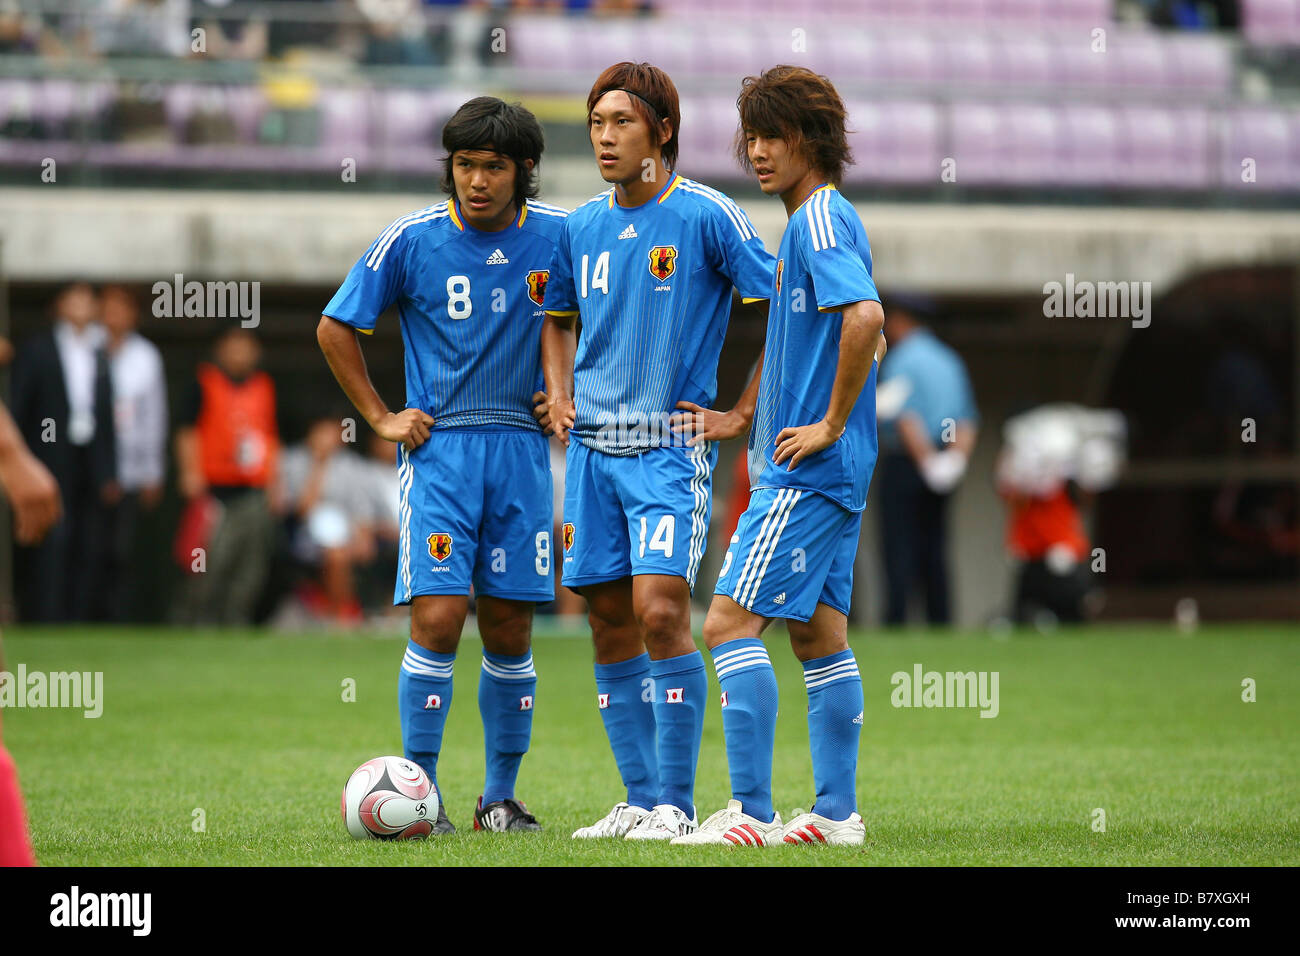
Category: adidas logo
[779,599]
[498,258]
[858,719]
[628,233]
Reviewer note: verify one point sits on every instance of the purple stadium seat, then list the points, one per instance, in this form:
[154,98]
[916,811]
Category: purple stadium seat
[1199,62]
[895,142]
[1264,136]
[1163,147]
[533,42]
[969,58]
[18,99]
[976,138]
[1078,66]
[1141,59]
[1030,144]
[1026,12]
[344,114]
[1271,22]
[1024,60]
[909,56]
[1089,145]
[1083,13]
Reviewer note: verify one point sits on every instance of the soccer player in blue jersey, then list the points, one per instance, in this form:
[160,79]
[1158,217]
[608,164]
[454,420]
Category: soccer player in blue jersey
[647,267]
[468,276]
[812,450]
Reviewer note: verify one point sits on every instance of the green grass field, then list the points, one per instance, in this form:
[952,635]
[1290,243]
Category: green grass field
[1145,724]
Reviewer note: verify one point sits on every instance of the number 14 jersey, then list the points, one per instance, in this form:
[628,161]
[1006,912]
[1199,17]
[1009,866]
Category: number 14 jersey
[651,285]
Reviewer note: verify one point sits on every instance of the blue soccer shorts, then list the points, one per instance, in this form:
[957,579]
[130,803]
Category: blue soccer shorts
[475,508]
[792,550]
[636,514]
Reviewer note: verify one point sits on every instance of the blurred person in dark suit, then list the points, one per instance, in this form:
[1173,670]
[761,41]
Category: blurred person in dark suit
[63,406]
[927,428]
[140,422]
[227,452]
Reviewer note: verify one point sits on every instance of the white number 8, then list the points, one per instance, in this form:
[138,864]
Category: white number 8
[543,560]
[458,304]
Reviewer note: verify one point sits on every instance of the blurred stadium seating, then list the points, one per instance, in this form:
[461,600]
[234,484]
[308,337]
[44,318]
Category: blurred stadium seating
[1018,88]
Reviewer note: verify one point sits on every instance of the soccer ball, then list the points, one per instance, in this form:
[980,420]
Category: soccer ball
[389,798]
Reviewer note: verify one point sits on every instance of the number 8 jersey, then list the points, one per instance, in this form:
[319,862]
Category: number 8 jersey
[652,287]
[471,309]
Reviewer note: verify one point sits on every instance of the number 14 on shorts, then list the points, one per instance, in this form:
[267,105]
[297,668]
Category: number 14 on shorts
[662,539]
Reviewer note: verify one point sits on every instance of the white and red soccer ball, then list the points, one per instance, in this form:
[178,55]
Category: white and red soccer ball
[389,798]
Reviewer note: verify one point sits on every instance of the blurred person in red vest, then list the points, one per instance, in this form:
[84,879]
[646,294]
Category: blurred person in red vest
[33,499]
[227,452]
[1054,460]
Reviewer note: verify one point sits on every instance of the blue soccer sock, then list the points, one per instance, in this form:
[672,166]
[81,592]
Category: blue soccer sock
[423,699]
[505,701]
[630,725]
[749,704]
[680,685]
[834,726]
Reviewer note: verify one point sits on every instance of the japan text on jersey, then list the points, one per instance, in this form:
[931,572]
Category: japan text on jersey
[823,265]
[471,309]
[651,285]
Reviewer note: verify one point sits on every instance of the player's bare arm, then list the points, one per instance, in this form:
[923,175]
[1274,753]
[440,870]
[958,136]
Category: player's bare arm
[859,334]
[343,353]
[28,484]
[705,424]
[554,409]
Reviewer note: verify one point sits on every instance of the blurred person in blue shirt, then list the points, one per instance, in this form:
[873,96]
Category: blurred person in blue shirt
[927,428]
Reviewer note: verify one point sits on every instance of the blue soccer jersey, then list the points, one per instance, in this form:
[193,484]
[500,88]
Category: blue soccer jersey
[470,305]
[651,285]
[824,264]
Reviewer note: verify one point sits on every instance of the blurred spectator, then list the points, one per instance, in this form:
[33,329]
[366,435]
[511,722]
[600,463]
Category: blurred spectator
[1054,459]
[382,495]
[330,513]
[227,450]
[242,37]
[291,31]
[1183,14]
[396,33]
[141,27]
[928,420]
[140,418]
[63,405]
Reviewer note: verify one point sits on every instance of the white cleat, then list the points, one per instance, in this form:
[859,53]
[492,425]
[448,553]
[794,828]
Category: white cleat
[734,827]
[665,822]
[812,828]
[617,822]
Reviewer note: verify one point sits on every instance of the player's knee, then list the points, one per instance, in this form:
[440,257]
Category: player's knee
[506,628]
[663,621]
[436,629]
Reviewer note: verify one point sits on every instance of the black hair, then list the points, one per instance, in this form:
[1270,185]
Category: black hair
[486,122]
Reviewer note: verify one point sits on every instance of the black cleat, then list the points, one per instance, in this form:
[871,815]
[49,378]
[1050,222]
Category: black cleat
[504,815]
[442,826]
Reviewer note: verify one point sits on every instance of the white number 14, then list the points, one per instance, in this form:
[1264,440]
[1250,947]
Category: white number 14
[662,539]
